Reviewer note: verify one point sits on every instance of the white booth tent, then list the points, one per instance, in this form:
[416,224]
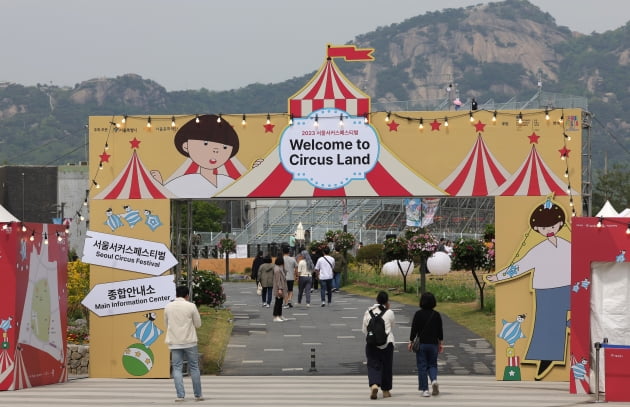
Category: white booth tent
[6,216]
[610,291]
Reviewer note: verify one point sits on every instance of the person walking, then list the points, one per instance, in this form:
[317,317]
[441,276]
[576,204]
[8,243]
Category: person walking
[290,270]
[305,276]
[182,319]
[324,268]
[380,359]
[279,289]
[427,325]
[340,264]
[315,255]
[258,261]
[265,277]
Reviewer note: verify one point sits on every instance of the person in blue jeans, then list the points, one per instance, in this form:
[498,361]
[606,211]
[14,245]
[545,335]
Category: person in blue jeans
[324,267]
[427,324]
[182,319]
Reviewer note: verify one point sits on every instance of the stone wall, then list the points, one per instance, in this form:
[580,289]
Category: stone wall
[78,360]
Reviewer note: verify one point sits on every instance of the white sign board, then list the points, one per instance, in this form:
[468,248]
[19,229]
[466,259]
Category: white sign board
[126,253]
[241,251]
[124,297]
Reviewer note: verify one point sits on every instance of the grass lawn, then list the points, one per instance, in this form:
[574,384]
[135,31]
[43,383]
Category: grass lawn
[214,336]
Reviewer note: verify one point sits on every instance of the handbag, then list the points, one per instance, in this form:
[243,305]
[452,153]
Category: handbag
[415,345]
[259,289]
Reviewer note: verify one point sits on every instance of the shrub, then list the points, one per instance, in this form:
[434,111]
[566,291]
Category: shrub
[371,254]
[78,285]
[207,289]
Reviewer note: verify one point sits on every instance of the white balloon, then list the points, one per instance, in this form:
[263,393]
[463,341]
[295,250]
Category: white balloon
[439,263]
[391,268]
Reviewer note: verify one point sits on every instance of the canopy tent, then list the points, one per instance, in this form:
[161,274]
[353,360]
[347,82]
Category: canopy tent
[607,211]
[6,216]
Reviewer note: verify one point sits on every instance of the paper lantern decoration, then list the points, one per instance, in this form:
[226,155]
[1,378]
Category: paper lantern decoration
[439,263]
[391,267]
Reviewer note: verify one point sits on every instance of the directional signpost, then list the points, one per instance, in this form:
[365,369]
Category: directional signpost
[126,253]
[124,297]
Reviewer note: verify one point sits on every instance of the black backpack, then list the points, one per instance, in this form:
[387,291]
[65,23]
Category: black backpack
[376,334]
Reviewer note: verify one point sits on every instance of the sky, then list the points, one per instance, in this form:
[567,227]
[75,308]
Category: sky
[217,45]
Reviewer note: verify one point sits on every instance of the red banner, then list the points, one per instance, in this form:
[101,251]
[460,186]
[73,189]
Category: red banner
[350,53]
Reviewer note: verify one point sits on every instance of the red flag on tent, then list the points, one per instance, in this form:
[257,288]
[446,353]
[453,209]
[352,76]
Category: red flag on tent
[350,53]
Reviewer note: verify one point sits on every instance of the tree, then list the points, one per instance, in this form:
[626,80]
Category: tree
[420,246]
[471,254]
[395,249]
[207,217]
[614,186]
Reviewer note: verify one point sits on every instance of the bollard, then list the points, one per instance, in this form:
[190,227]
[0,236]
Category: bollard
[598,347]
[313,368]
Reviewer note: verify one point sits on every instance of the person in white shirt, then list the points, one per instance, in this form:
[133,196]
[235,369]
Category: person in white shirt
[380,358]
[182,318]
[324,268]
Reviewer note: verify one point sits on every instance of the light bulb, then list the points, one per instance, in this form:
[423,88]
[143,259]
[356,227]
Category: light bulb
[446,122]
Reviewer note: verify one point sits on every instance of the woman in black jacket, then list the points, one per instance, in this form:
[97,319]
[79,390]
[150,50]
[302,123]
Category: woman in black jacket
[427,324]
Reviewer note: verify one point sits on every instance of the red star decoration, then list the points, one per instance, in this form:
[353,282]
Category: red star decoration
[564,152]
[393,126]
[135,143]
[480,126]
[269,127]
[533,138]
[104,157]
[435,125]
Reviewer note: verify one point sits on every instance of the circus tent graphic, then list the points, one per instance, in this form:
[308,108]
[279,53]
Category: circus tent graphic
[533,178]
[477,175]
[134,182]
[388,178]
[329,88]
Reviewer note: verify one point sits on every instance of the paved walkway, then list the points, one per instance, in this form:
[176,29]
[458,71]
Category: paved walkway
[294,391]
[269,364]
[333,334]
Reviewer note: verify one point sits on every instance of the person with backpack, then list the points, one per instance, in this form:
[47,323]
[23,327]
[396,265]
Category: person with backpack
[427,326]
[378,325]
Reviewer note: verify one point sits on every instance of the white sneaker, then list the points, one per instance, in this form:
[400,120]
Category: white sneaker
[308,305]
[426,393]
[284,319]
[435,387]
[278,319]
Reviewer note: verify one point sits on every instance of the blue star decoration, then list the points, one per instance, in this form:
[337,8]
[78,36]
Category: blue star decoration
[585,284]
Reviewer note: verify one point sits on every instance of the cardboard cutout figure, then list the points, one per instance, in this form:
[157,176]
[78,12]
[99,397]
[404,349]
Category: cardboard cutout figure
[548,260]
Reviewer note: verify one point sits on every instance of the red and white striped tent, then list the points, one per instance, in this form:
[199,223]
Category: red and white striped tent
[533,178]
[134,182]
[329,88]
[477,175]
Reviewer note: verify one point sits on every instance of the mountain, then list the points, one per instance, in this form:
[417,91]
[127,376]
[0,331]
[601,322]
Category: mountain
[495,52]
